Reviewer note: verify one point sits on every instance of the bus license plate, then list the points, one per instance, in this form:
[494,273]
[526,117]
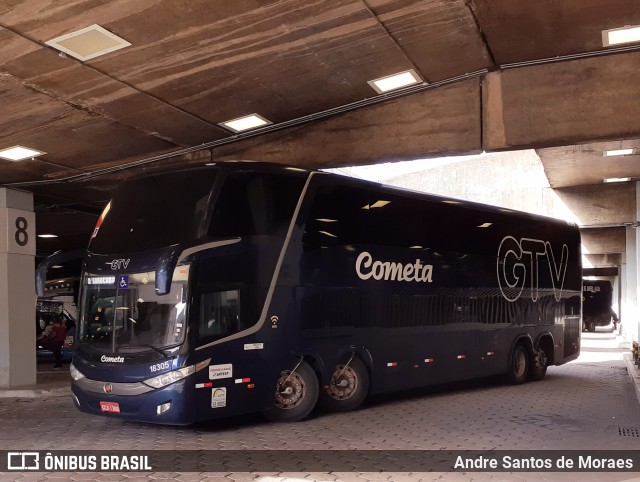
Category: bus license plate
[111,407]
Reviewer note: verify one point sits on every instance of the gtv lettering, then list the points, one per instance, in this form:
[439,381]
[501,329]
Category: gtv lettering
[367,268]
[519,260]
[117,264]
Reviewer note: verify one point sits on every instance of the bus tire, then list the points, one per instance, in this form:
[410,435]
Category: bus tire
[519,365]
[347,389]
[539,363]
[591,326]
[296,394]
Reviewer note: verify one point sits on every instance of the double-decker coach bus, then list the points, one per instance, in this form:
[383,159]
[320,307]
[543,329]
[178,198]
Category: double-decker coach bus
[246,287]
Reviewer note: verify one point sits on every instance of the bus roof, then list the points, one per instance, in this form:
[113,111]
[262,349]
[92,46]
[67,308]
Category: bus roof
[251,165]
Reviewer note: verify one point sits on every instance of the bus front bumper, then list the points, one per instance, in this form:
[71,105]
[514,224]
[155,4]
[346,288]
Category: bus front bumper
[169,405]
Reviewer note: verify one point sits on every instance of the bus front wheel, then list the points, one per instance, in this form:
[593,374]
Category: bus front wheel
[296,394]
[348,387]
[519,368]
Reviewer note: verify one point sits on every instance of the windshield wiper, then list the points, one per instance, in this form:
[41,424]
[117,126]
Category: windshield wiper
[147,345]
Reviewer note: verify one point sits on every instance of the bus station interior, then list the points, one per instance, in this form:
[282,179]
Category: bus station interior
[547,88]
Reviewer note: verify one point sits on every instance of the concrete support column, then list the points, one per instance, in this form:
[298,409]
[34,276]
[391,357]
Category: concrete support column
[17,289]
[630,286]
[630,277]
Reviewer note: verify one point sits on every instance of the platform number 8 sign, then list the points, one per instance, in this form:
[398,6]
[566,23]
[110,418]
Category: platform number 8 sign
[17,231]
[21,236]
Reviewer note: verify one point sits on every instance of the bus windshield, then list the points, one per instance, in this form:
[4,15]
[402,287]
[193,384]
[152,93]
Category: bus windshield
[124,313]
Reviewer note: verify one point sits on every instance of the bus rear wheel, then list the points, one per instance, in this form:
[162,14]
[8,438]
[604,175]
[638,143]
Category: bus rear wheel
[296,394]
[519,368]
[348,387]
[540,364]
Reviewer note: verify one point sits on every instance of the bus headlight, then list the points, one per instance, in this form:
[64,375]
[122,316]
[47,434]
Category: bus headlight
[75,373]
[175,375]
[170,377]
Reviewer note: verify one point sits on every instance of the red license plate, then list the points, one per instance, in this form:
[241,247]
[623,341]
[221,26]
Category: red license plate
[112,407]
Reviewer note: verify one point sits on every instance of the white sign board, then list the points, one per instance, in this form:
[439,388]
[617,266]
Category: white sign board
[17,231]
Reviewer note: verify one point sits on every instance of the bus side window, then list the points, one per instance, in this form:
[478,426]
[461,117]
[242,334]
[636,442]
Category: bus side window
[219,314]
[339,216]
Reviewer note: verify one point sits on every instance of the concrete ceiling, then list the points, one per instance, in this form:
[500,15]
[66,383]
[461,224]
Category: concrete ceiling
[498,74]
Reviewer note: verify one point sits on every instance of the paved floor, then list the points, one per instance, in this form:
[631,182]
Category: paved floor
[589,404]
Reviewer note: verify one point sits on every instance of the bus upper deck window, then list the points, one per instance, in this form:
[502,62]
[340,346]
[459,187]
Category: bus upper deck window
[254,203]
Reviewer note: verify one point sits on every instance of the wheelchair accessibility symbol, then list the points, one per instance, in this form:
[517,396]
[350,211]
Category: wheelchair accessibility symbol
[123,281]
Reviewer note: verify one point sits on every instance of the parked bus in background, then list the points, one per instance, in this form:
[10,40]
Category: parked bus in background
[59,300]
[597,299]
[245,287]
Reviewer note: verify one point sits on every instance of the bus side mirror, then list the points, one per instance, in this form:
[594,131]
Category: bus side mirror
[56,258]
[166,266]
[41,278]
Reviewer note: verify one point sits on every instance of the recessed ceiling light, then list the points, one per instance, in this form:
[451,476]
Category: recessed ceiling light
[452,202]
[395,81]
[485,225]
[624,35]
[617,179]
[619,152]
[47,235]
[19,153]
[88,43]
[245,123]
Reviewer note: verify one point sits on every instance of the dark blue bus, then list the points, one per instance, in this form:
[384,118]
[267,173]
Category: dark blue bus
[244,287]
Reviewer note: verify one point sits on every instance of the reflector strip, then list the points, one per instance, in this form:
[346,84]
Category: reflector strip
[392,364]
[491,353]
[243,380]
[462,357]
[204,385]
[428,360]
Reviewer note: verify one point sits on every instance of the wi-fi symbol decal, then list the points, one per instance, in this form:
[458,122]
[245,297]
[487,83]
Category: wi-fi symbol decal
[274,321]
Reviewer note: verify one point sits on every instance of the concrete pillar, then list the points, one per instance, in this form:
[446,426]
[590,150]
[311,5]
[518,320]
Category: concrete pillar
[629,283]
[17,289]
[630,276]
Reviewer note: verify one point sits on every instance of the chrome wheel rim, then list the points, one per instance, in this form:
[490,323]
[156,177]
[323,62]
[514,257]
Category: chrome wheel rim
[290,390]
[344,383]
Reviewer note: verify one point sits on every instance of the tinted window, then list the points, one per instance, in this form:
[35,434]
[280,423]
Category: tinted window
[219,315]
[339,216]
[254,203]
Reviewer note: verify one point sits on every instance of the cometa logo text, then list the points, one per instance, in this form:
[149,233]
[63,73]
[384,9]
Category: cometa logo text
[367,268]
[111,359]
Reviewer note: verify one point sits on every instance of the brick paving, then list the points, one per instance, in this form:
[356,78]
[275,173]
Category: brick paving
[589,404]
